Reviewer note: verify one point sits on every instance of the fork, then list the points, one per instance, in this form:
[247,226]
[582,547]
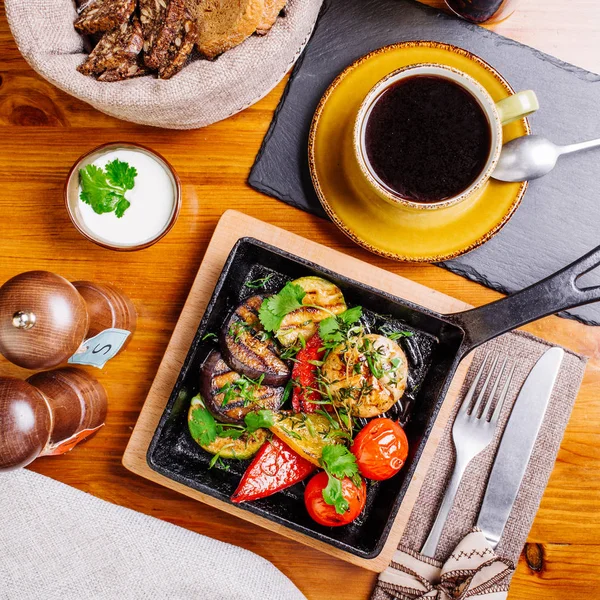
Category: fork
[471,434]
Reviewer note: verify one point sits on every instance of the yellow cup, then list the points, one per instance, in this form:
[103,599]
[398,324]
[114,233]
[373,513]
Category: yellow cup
[500,113]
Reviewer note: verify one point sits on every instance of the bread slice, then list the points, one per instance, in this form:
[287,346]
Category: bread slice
[115,50]
[152,15]
[272,10]
[103,15]
[157,56]
[128,69]
[224,24]
[181,47]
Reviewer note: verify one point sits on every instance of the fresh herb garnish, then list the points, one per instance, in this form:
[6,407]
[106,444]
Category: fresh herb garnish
[333,330]
[217,459]
[104,189]
[396,335]
[275,308]
[243,388]
[209,336]
[203,426]
[261,418]
[338,463]
[256,284]
[289,386]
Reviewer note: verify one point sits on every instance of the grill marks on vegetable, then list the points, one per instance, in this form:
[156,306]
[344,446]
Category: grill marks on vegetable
[321,300]
[249,349]
[229,395]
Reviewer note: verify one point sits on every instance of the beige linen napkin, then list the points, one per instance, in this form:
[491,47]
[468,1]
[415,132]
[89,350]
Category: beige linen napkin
[471,569]
[58,543]
[204,92]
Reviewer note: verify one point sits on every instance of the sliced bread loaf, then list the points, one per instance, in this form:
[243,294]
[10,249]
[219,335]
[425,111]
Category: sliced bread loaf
[181,47]
[224,24]
[117,49]
[171,25]
[103,15]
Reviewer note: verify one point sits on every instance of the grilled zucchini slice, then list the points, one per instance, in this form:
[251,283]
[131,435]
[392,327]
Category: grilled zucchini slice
[241,448]
[303,322]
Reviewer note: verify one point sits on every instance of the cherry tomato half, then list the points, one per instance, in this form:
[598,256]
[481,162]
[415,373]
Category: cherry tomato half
[380,449]
[324,513]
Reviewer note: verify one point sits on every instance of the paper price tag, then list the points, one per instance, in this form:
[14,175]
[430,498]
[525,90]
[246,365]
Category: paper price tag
[98,350]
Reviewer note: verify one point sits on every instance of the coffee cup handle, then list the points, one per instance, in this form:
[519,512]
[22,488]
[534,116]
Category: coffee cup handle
[517,106]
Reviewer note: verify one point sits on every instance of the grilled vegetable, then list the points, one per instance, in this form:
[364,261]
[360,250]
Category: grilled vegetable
[365,374]
[380,448]
[325,513]
[303,322]
[248,349]
[230,396]
[306,434]
[305,375]
[274,468]
[221,440]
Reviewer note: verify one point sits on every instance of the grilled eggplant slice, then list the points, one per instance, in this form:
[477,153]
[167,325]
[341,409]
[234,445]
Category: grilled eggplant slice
[304,322]
[241,448]
[366,375]
[230,396]
[248,349]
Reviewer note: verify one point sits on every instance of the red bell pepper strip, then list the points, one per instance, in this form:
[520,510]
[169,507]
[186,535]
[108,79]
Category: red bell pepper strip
[304,375]
[275,467]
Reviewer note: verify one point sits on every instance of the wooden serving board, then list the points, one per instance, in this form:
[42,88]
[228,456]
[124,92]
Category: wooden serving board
[232,226]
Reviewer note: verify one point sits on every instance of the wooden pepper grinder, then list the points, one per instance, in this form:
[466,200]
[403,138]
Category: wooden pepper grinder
[47,414]
[44,319]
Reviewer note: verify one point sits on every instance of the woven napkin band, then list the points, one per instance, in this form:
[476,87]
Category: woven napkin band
[523,350]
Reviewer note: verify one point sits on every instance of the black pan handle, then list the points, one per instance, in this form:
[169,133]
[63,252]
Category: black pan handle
[551,295]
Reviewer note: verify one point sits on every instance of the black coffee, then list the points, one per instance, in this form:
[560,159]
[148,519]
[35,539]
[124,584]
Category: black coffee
[427,138]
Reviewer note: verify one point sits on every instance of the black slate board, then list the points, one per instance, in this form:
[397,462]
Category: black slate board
[559,218]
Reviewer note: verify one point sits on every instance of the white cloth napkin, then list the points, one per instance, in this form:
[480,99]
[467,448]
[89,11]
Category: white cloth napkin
[58,543]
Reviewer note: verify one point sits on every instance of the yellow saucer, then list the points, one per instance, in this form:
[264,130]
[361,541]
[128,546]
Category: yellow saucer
[396,232]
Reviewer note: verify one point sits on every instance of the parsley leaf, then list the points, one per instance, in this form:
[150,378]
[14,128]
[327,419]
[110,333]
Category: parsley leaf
[260,418]
[351,315]
[338,461]
[96,190]
[203,426]
[333,330]
[104,189]
[121,207]
[121,174]
[273,309]
[332,494]
[330,332]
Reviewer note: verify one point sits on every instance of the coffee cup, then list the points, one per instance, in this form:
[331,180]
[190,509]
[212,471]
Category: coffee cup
[428,136]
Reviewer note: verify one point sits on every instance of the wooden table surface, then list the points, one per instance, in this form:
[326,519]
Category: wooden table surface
[43,131]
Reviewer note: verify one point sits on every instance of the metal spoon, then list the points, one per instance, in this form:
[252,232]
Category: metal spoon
[532,156]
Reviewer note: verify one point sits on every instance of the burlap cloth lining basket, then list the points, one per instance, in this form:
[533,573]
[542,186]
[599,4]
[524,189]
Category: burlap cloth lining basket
[203,93]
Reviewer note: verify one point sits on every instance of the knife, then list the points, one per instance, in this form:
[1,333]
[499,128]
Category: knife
[517,444]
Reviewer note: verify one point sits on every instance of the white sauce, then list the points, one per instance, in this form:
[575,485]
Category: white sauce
[152,203]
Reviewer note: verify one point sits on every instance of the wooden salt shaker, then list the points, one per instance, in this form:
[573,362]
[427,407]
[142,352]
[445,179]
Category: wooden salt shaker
[48,414]
[44,319]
